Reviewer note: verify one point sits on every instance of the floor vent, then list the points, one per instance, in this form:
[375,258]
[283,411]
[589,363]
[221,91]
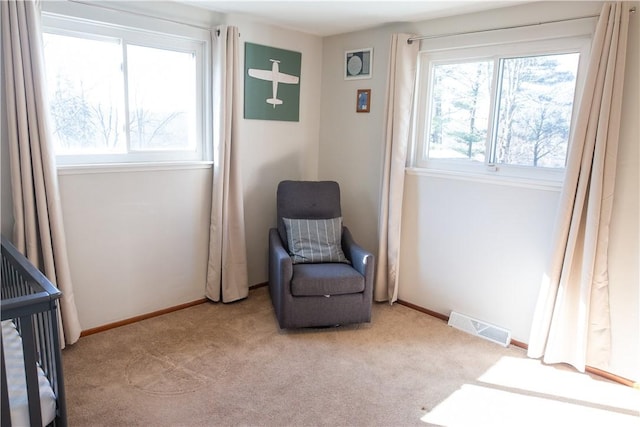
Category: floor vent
[479,328]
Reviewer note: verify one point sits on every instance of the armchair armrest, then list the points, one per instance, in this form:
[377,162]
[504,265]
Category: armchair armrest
[280,264]
[361,259]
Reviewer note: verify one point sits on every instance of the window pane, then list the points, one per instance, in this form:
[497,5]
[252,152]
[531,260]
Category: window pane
[162,99]
[534,114]
[459,110]
[85,88]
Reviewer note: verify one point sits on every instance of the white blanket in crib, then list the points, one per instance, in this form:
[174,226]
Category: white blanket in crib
[17,382]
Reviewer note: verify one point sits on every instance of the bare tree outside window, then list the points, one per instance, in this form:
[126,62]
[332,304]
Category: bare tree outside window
[161,99]
[72,116]
[87,81]
[85,86]
[534,117]
[530,124]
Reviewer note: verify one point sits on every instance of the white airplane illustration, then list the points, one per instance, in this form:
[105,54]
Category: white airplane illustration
[275,76]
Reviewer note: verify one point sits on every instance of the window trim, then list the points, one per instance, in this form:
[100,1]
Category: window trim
[556,39]
[489,178]
[110,168]
[145,32]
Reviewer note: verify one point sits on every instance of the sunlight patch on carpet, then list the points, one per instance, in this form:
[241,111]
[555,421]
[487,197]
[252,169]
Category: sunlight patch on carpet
[474,405]
[530,375]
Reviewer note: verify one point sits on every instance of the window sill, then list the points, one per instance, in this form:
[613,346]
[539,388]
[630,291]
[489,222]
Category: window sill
[131,167]
[489,178]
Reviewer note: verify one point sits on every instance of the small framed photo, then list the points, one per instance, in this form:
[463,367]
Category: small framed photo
[358,64]
[363,101]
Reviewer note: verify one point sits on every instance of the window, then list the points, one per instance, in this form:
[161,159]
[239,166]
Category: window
[122,94]
[503,109]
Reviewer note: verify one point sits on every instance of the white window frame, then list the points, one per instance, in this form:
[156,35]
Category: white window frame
[567,37]
[145,32]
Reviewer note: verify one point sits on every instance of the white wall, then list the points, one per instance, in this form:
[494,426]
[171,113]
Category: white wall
[272,151]
[352,144]
[137,239]
[475,247]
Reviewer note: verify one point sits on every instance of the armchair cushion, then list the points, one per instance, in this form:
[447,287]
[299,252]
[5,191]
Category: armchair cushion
[315,240]
[325,279]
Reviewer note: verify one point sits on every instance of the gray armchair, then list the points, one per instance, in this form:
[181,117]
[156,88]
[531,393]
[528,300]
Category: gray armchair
[317,294]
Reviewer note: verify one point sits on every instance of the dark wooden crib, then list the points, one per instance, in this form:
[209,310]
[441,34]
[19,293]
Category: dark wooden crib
[32,380]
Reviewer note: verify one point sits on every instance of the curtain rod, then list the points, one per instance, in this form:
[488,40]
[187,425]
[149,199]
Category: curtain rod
[462,33]
[145,15]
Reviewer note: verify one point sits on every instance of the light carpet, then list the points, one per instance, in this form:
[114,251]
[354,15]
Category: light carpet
[230,365]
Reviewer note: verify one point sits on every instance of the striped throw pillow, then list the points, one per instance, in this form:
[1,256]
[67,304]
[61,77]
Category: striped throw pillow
[315,240]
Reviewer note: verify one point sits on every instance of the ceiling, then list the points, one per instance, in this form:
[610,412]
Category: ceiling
[330,17]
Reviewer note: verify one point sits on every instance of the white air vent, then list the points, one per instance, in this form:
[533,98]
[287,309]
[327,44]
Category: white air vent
[479,328]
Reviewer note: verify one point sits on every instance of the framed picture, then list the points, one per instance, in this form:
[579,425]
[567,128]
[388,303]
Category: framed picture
[271,83]
[363,101]
[358,64]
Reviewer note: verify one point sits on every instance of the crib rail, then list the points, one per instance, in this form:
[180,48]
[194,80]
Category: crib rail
[30,300]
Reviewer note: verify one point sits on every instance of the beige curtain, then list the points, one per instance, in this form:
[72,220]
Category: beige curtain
[38,230]
[571,321]
[400,89]
[227,277]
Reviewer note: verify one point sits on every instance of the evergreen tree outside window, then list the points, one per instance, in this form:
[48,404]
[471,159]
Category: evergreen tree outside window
[500,108]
